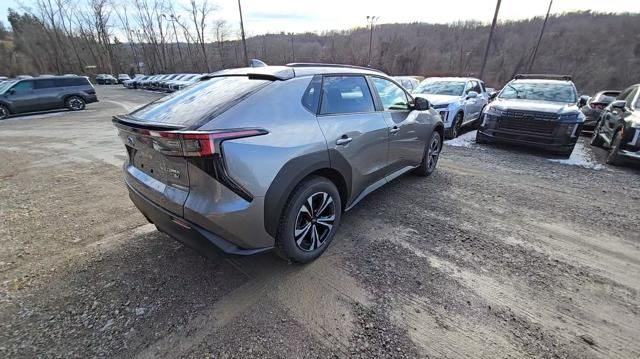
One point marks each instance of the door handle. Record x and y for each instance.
(344, 140)
(394, 129)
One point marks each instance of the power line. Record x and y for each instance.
(486, 51)
(535, 51)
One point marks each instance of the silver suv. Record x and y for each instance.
(459, 100)
(270, 157)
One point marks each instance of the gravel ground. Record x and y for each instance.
(501, 253)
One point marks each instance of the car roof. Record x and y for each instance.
(297, 70)
(452, 78)
(545, 81)
(52, 77)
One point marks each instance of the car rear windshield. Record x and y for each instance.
(539, 91)
(605, 97)
(452, 88)
(200, 102)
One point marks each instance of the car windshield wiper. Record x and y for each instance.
(516, 90)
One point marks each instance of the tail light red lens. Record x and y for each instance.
(197, 144)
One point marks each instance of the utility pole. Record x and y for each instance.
(371, 20)
(486, 51)
(293, 51)
(535, 50)
(244, 41)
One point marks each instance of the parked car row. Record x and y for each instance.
(618, 126)
(165, 82)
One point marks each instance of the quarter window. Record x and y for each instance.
(392, 96)
(44, 84)
(345, 94)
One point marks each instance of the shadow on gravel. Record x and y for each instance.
(117, 300)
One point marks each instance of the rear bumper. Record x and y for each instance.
(90, 98)
(185, 231)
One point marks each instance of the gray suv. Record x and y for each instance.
(42, 94)
(270, 157)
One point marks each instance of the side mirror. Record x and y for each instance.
(421, 104)
(583, 100)
(472, 94)
(493, 95)
(11, 91)
(619, 104)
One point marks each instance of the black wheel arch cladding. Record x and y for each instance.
(291, 174)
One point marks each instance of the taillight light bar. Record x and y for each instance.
(197, 143)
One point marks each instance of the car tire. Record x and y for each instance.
(614, 157)
(315, 205)
(481, 138)
(75, 103)
(431, 156)
(596, 140)
(454, 131)
(4, 112)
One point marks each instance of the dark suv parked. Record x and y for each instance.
(619, 127)
(534, 110)
(257, 158)
(41, 94)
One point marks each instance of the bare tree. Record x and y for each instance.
(200, 11)
(221, 32)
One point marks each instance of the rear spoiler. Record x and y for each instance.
(272, 73)
(121, 121)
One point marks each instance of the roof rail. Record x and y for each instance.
(543, 77)
(312, 64)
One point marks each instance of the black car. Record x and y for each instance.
(594, 107)
(618, 128)
(42, 94)
(534, 110)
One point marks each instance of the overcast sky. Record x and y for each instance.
(263, 16)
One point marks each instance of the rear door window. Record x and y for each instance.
(199, 103)
(345, 94)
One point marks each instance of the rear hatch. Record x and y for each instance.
(162, 138)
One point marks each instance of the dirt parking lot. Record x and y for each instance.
(500, 253)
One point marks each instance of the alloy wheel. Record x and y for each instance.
(433, 153)
(314, 221)
(75, 103)
(3, 113)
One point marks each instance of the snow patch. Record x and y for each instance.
(579, 157)
(464, 140)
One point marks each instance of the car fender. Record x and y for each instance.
(291, 174)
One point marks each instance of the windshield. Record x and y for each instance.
(539, 91)
(199, 102)
(452, 88)
(5, 85)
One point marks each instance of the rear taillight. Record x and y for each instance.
(197, 143)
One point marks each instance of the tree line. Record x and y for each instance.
(600, 51)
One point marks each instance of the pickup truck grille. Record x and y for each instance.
(529, 121)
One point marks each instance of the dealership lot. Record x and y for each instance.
(501, 253)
